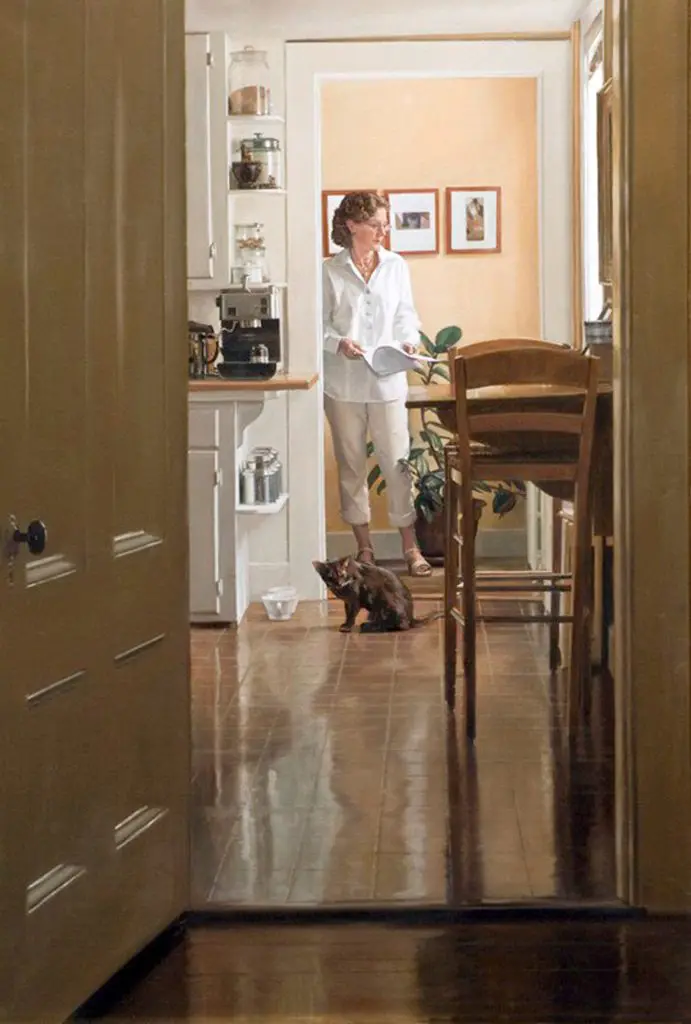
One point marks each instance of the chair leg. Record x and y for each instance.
(579, 670)
(469, 610)
(555, 596)
(450, 586)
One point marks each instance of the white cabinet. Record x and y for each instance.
(219, 526)
(208, 260)
(206, 585)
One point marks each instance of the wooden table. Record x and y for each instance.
(531, 398)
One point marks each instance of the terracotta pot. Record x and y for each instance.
(430, 535)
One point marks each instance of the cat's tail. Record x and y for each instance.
(432, 617)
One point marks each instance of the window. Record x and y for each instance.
(594, 80)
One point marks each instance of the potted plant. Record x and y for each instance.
(425, 462)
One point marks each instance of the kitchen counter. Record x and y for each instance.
(279, 382)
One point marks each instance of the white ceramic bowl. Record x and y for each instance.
(280, 603)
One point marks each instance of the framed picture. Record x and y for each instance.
(473, 220)
(414, 218)
(330, 203)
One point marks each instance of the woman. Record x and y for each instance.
(368, 302)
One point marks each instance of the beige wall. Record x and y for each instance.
(419, 133)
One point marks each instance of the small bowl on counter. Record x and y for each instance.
(280, 603)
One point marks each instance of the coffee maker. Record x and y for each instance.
(250, 331)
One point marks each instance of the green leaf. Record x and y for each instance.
(381, 486)
(373, 476)
(445, 338)
(370, 449)
(427, 343)
(503, 503)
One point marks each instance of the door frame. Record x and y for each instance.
(652, 267)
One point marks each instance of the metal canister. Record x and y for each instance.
(263, 482)
(248, 483)
(276, 481)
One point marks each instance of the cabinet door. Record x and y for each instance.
(206, 587)
(200, 251)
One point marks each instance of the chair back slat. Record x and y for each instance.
(502, 344)
(555, 368)
(526, 422)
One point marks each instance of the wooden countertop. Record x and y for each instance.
(279, 382)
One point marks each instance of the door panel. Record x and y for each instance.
(94, 699)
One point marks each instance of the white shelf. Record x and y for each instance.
(258, 192)
(268, 509)
(241, 119)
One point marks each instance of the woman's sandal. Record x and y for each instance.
(367, 560)
(418, 566)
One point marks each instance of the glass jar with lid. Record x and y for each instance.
(266, 153)
(249, 87)
(250, 249)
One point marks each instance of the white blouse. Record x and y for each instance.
(373, 313)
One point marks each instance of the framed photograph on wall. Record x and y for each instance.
(330, 203)
(414, 217)
(473, 220)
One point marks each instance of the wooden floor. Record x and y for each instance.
(376, 974)
(325, 772)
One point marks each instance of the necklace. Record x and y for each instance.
(366, 264)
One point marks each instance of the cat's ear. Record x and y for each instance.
(320, 567)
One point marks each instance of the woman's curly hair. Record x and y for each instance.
(357, 206)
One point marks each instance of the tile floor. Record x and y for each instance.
(477, 972)
(321, 772)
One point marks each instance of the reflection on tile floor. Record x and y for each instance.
(320, 771)
(478, 973)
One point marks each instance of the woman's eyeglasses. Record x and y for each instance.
(377, 225)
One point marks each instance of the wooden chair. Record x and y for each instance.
(548, 440)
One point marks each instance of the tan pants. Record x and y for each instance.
(387, 423)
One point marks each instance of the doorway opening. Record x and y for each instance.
(357, 810)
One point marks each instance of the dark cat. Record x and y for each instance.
(381, 592)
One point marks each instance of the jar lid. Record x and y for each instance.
(249, 54)
(260, 142)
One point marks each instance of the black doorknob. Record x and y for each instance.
(34, 538)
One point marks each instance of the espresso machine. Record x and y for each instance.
(250, 331)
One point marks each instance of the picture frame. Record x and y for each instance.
(414, 221)
(473, 220)
(330, 201)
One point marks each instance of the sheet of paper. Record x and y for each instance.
(387, 359)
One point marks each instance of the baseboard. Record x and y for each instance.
(502, 543)
(490, 544)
